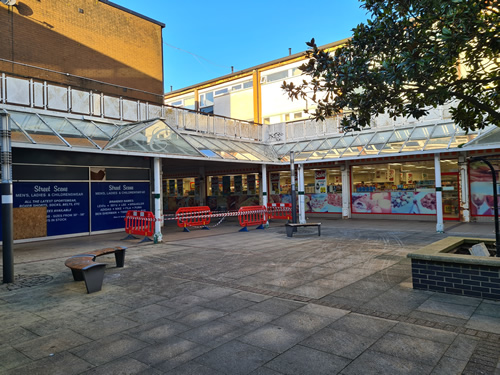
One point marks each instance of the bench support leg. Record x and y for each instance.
(93, 278)
(120, 257)
(77, 275)
(319, 230)
(289, 231)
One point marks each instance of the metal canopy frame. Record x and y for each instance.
(156, 136)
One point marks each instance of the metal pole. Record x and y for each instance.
(495, 202)
(439, 194)
(7, 202)
(294, 197)
(158, 237)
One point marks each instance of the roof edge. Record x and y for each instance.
(237, 74)
(133, 13)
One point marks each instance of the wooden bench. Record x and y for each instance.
(85, 268)
(292, 227)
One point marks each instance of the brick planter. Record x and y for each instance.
(435, 269)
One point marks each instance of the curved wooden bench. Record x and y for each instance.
(84, 267)
(118, 251)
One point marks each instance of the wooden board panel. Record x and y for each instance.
(30, 222)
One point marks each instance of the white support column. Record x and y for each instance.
(158, 237)
(439, 194)
(464, 189)
(346, 191)
(302, 204)
(263, 184)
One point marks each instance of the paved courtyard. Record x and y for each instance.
(225, 302)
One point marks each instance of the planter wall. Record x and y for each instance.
(435, 269)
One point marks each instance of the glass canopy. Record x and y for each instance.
(400, 140)
(158, 137)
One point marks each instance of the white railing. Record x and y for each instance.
(28, 92)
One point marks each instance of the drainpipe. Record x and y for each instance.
(7, 201)
(158, 237)
(439, 194)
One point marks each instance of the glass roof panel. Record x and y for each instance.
(377, 142)
(299, 146)
(421, 133)
(238, 152)
(68, 131)
(35, 128)
(362, 139)
(204, 149)
(220, 148)
(487, 136)
(444, 130)
(310, 150)
(261, 151)
(284, 151)
(100, 133)
(396, 141)
(156, 137)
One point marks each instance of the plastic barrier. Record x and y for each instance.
(193, 217)
(279, 211)
(141, 223)
(252, 215)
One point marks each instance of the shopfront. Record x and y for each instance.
(322, 189)
(405, 188)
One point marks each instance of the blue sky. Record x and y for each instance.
(242, 34)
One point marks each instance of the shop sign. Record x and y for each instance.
(320, 181)
(238, 184)
(111, 201)
(67, 204)
(251, 184)
(275, 183)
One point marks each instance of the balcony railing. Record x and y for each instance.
(26, 92)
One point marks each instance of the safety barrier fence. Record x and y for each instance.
(193, 217)
(252, 215)
(141, 223)
(279, 211)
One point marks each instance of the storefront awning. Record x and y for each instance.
(157, 137)
(400, 140)
(153, 136)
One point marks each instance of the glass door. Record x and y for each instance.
(451, 201)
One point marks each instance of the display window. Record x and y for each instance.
(230, 192)
(180, 192)
(404, 188)
(322, 188)
(481, 188)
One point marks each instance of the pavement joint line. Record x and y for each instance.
(492, 338)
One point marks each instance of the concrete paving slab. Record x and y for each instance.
(235, 358)
(317, 363)
(198, 303)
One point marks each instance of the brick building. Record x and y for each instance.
(93, 45)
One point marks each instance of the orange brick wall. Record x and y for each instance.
(85, 38)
